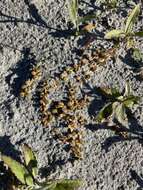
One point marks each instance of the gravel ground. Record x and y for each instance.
(35, 32)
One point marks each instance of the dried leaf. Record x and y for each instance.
(89, 27)
(132, 19)
(30, 159)
(18, 170)
(114, 34)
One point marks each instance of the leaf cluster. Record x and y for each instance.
(27, 172)
(127, 32)
(118, 104)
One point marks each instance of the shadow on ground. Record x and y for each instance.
(131, 61)
(36, 19)
(21, 72)
(136, 64)
(7, 148)
(53, 165)
(134, 131)
(138, 179)
(121, 134)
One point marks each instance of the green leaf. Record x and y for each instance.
(114, 34)
(104, 91)
(47, 186)
(115, 92)
(132, 19)
(127, 89)
(63, 184)
(108, 92)
(30, 160)
(120, 114)
(52, 186)
(120, 98)
(105, 112)
(73, 11)
(140, 34)
(18, 170)
(67, 184)
(20, 187)
(131, 100)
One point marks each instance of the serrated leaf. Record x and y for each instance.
(18, 170)
(114, 34)
(140, 34)
(73, 11)
(105, 112)
(127, 89)
(132, 19)
(120, 114)
(30, 160)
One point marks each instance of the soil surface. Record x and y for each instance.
(38, 33)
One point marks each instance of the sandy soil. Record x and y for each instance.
(37, 32)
